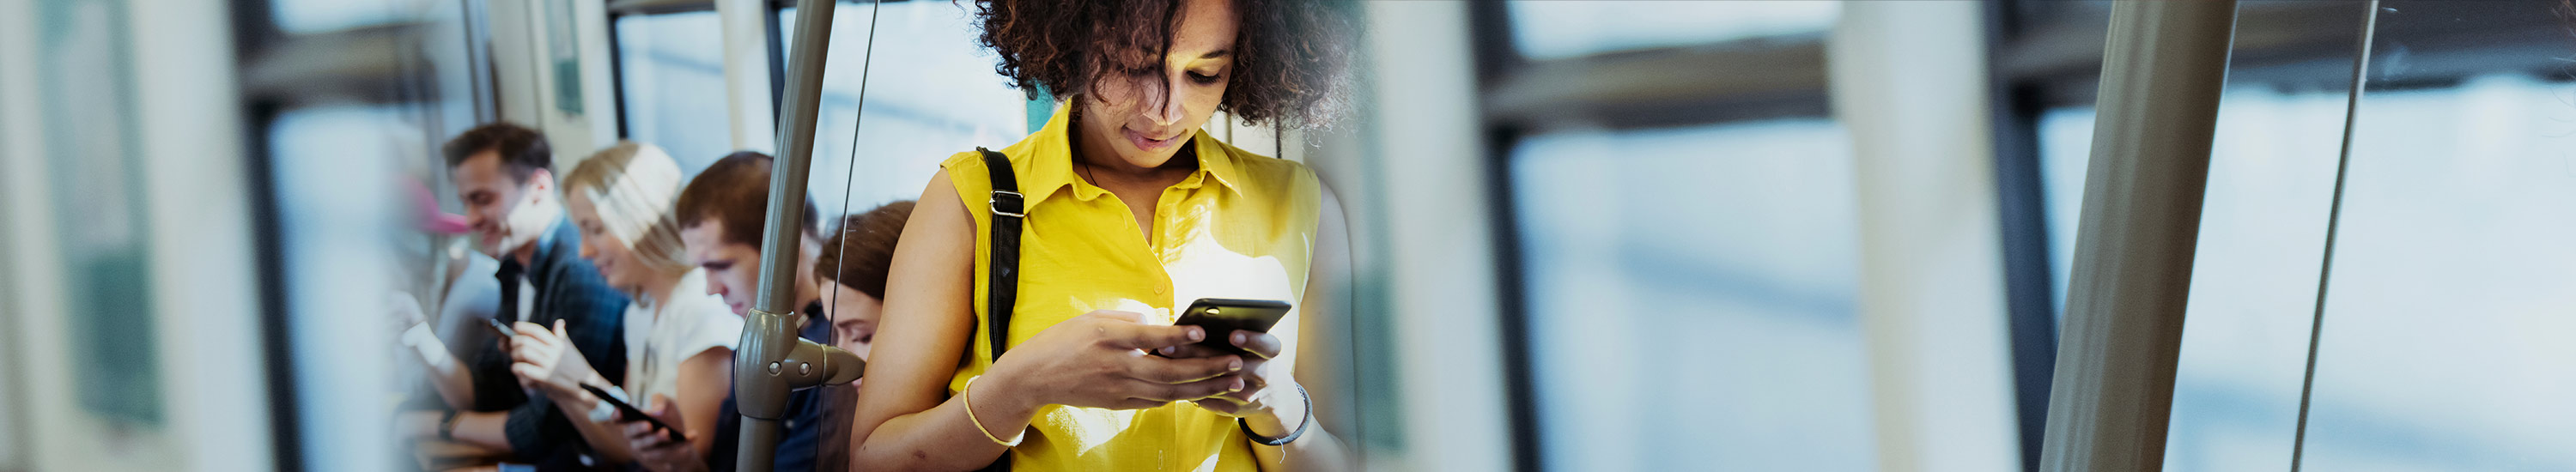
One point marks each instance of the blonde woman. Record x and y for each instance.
(679, 340)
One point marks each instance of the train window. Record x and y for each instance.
(2446, 325)
(671, 72)
(1730, 249)
(2445, 337)
(1689, 284)
(340, 245)
(930, 92)
(1564, 28)
(2442, 342)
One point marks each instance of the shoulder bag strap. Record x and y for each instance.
(1003, 286)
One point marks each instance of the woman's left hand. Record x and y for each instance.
(546, 359)
(1262, 388)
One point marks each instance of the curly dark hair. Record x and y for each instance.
(1290, 56)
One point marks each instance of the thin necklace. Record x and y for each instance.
(1075, 138)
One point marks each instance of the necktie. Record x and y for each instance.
(509, 274)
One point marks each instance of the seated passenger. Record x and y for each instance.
(502, 173)
(720, 215)
(1131, 213)
(679, 339)
(854, 262)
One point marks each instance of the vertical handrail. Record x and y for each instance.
(765, 368)
(2163, 67)
(2334, 219)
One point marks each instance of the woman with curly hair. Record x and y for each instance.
(1126, 212)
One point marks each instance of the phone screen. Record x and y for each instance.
(500, 328)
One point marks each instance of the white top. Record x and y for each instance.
(659, 336)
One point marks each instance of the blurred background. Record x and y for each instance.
(1589, 235)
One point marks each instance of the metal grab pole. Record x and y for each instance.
(772, 361)
(2162, 71)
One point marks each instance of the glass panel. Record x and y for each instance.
(1719, 334)
(1564, 28)
(932, 94)
(2445, 344)
(1691, 292)
(672, 69)
(2254, 277)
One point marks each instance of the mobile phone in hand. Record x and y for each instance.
(500, 328)
(1220, 316)
(629, 410)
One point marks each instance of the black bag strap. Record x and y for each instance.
(1003, 284)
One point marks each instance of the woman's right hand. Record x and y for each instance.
(1099, 360)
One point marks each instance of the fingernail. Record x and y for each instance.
(1239, 337)
(1197, 334)
(1234, 364)
(1235, 386)
(1170, 350)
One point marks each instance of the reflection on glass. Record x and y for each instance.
(932, 93)
(1691, 298)
(1567, 28)
(672, 69)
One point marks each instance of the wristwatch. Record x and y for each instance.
(447, 426)
(1302, 423)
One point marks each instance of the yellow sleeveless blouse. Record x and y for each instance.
(1242, 226)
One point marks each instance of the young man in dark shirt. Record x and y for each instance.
(721, 214)
(502, 173)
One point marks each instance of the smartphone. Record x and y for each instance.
(629, 410)
(500, 328)
(1221, 316)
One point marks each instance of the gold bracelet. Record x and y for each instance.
(979, 424)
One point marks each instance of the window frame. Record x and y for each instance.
(772, 31)
(1520, 93)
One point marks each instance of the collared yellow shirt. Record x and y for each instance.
(1242, 226)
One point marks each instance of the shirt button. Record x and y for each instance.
(1158, 290)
